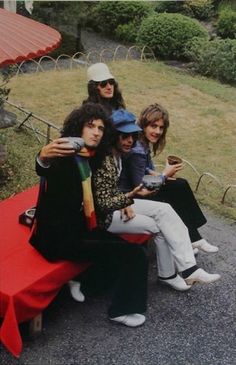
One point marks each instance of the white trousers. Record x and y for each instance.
(173, 245)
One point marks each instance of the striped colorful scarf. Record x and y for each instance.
(82, 161)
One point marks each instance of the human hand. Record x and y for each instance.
(134, 192)
(170, 170)
(127, 213)
(152, 172)
(145, 192)
(57, 148)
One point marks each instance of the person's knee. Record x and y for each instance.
(167, 208)
(181, 183)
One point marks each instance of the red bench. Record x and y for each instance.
(28, 283)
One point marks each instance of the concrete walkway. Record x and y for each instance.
(192, 328)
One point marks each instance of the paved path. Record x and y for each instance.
(193, 328)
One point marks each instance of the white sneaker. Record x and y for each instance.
(201, 276)
(130, 320)
(177, 283)
(195, 251)
(205, 246)
(75, 291)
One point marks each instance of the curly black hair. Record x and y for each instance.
(75, 121)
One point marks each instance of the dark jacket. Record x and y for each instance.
(135, 165)
(59, 215)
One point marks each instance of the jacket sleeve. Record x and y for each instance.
(54, 167)
(136, 165)
(107, 195)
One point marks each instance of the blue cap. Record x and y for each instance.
(124, 121)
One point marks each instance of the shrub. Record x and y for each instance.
(194, 48)
(111, 14)
(226, 25)
(216, 58)
(67, 46)
(167, 34)
(127, 32)
(200, 9)
(5, 74)
(4, 91)
(169, 6)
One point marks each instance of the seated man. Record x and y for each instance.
(65, 225)
(119, 212)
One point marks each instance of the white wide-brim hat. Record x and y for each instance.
(99, 72)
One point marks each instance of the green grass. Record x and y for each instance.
(202, 116)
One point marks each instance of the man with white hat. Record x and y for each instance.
(103, 88)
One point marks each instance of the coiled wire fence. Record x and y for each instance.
(80, 59)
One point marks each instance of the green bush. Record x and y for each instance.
(200, 9)
(194, 48)
(5, 75)
(111, 14)
(167, 34)
(169, 6)
(127, 32)
(216, 58)
(226, 25)
(222, 4)
(67, 46)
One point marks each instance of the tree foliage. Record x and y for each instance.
(68, 17)
(111, 14)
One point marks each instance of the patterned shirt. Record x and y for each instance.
(107, 196)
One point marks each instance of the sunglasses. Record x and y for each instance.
(104, 83)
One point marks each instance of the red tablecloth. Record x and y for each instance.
(28, 283)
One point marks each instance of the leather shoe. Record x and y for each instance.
(75, 291)
(205, 246)
(130, 320)
(177, 283)
(201, 276)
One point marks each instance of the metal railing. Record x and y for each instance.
(28, 122)
(224, 189)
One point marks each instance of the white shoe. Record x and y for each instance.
(205, 246)
(201, 276)
(195, 251)
(130, 320)
(75, 291)
(177, 283)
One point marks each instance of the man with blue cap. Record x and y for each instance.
(120, 213)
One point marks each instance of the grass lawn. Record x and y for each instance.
(202, 116)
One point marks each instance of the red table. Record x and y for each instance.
(28, 283)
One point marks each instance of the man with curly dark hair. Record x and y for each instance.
(66, 226)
